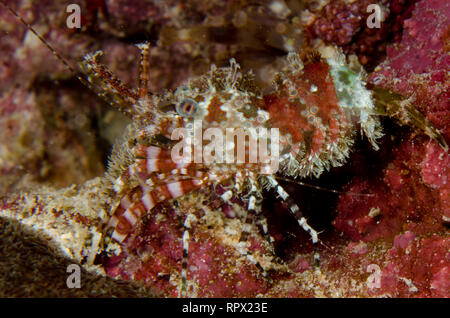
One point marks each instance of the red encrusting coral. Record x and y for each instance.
(154, 253)
(401, 228)
(403, 275)
(402, 222)
(412, 192)
(400, 200)
(345, 25)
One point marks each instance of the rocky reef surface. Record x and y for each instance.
(55, 138)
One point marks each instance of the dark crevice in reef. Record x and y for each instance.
(319, 206)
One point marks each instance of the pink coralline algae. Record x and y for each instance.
(412, 191)
(47, 120)
(344, 24)
(400, 200)
(153, 253)
(404, 276)
(389, 233)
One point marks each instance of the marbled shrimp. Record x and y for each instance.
(317, 104)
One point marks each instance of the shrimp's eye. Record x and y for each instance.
(187, 108)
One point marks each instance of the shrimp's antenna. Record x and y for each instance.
(323, 189)
(55, 53)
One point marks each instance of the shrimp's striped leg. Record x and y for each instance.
(260, 217)
(243, 240)
(153, 166)
(295, 211)
(262, 222)
(186, 238)
(151, 160)
(184, 267)
(251, 212)
(142, 200)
